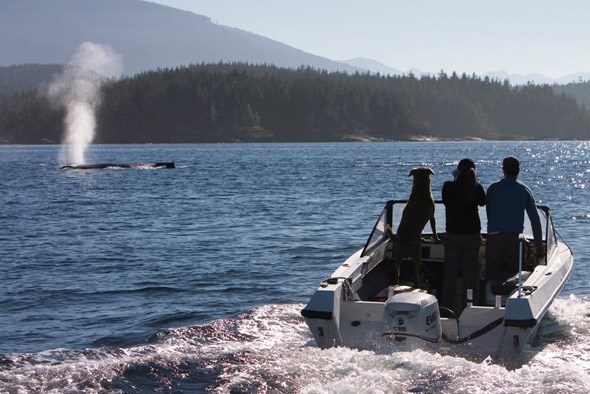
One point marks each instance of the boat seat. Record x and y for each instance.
(503, 287)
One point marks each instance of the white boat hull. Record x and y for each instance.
(342, 311)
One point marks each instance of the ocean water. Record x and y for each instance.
(192, 279)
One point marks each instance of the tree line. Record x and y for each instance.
(580, 90)
(240, 102)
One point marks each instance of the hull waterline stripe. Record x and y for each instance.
(521, 323)
(474, 334)
(316, 314)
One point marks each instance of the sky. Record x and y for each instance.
(549, 37)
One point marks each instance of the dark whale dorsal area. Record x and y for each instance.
(101, 166)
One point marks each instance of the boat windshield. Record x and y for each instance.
(378, 235)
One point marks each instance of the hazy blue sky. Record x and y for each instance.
(551, 37)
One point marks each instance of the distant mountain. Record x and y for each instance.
(375, 67)
(515, 79)
(372, 66)
(151, 36)
(539, 79)
(147, 35)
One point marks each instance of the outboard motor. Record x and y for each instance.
(412, 315)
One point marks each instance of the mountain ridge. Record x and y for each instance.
(150, 36)
(375, 66)
(147, 35)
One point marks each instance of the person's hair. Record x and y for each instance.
(511, 171)
(468, 181)
(511, 166)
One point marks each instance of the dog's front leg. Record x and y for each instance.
(435, 237)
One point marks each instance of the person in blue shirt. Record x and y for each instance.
(461, 197)
(507, 200)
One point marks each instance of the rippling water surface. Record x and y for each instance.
(192, 279)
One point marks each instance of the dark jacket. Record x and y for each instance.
(462, 217)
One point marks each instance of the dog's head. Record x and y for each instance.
(421, 178)
(421, 172)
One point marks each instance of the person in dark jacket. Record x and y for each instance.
(461, 198)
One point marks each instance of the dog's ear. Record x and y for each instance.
(412, 171)
(431, 171)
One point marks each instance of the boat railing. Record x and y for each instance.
(521, 243)
(393, 209)
(550, 238)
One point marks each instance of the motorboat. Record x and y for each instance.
(358, 306)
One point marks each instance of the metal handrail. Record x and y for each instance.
(520, 244)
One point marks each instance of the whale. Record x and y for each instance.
(101, 166)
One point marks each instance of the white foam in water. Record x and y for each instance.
(271, 349)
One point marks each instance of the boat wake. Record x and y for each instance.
(271, 349)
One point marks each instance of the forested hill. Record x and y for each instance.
(17, 78)
(580, 90)
(238, 102)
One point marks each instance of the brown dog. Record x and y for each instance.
(418, 211)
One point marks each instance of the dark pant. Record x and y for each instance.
(501, 255)
(461, 255)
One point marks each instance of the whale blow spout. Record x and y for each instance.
(101, 166)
